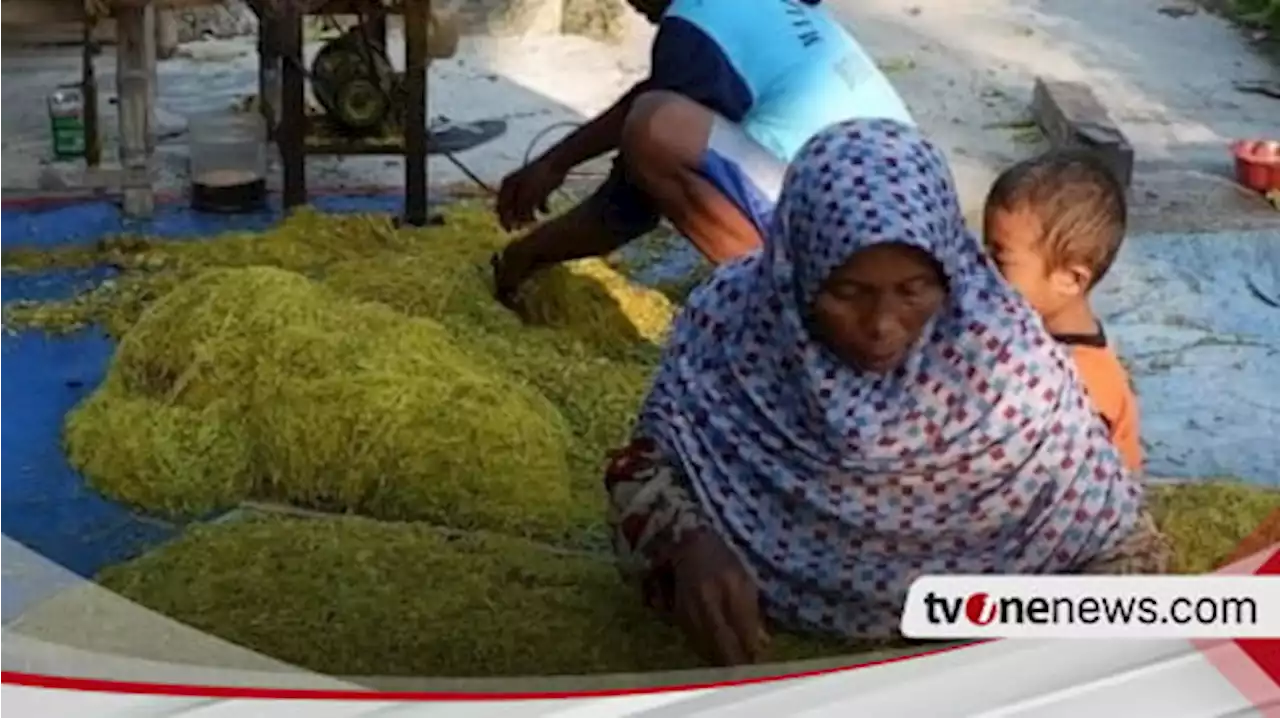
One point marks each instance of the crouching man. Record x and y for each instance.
(736, 87)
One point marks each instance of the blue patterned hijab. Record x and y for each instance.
(837, 487)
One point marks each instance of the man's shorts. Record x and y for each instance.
(742, 169)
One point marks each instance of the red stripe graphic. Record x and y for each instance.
(1252, 665)
(1266, 651)
(196, 691)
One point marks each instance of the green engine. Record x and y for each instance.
(355, 83)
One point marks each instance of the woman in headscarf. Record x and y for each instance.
(862, 402)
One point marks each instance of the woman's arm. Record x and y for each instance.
(652, 514)
(684, 568)
(595, 138)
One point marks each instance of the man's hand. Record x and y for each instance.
(526, 191)
(511, 268)
(716, 601)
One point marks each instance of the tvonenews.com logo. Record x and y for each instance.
(983, 609)
(979, 608)
(1061, 606)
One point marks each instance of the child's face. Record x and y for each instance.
(1012, 237)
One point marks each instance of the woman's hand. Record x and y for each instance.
(716, 601)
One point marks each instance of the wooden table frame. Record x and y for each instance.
(136, 97)
(280, 66)
(136, 50)
(280, 43)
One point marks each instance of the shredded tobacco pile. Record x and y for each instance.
(440, 272)
(351, 596)
(260, 383)
(339, 363)
(1208, 522)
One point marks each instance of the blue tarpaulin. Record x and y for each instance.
(46, 505)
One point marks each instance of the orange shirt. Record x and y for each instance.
(1108, 385)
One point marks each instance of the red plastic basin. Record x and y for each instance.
(1258, 164)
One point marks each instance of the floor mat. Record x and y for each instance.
(46, 505)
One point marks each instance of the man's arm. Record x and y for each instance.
(677, 133)
(598, 136)
(684, 60)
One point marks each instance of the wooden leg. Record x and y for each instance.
(378, 28)
(89, 90)
(416, 13)
(293, 109)
(269, 74)
(153, 89)
(166, 34)
(133, 90)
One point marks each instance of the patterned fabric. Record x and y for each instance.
(1145, 550)
(837, 487)
(652, 510)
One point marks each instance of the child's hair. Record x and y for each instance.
(1078, 200)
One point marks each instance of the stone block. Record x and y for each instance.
(1072, 116)
(597, 19)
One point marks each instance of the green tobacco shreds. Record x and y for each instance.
(350, 596)
(336, 404)
(357, 367)
(359, 597)
(1206, 522)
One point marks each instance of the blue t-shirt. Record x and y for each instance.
(782, 69)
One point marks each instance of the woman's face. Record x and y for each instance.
(873, 308)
